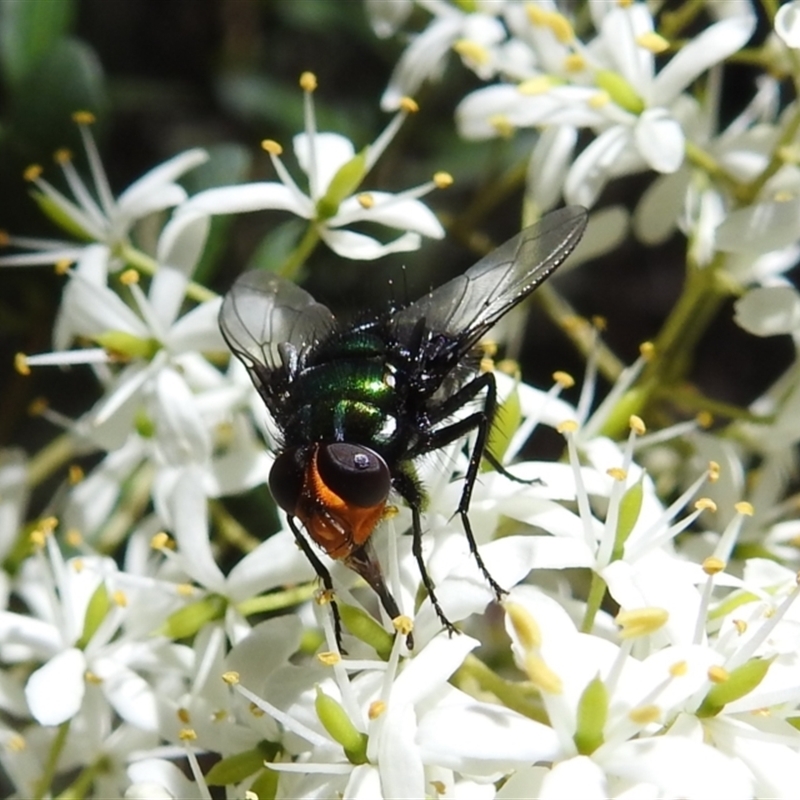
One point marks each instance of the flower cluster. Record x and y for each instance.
(152, 646)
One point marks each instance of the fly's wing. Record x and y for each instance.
(468, 306)
(266, 321)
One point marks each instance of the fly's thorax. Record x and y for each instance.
(336, 489)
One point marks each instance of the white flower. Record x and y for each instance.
(93, 213)
(335, 172)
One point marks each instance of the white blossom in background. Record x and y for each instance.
(93, 213)
(334, 199)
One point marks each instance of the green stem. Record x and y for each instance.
(43, 785)
(135, 497)
(149, 266)
(231, 530)
(80, 787)
(300, 254)
(50, 458)
(597, 591)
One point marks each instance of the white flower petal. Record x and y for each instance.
(359, 247)
(198, 330)
(140, 197)
(548, 165)
(659, 207)
(55, 691)
(129, 694)
(620, 29)
(713, 45)
(332, 151)
(248, 197)
(388, 209)
(402, 770)
(769, 311)
(760, 228)
(179, 248)
(659, 138)
(787, 24)
(575, 777)
(592, 168)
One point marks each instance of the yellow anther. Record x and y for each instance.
(187, 735)
(403, 624)
(472, 50)
(160, 541)
(38, 406)
(599, 99)
(705, 504)
(574, 62)
(365, 200)
(32, 173)
(641, 621)
(308, 81)
(376, 708)
(744, 508)
(92, 677)
(61, 267)
(63, 155)
(271, 147)
(183, 715)
(653, 42)
(409, 105)
(77, 565)
(636, 424)
(502, 125)
(644, 715)
(231, 677)
(75, 474)
(617, 473)
(563, 379)
(705, 419)
(329, 658)
(713, 565)
(740, 625)
(678, 669)
(713, 471)
(129, 277)
(442, 180)
(541, 84)
(15, 743)
(647, 350)
(73, 537)
(21, 364)
(184, 589)
(567, 426)
(120, 598)
(718, 674)
(84, 118)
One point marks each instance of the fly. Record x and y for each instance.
(357, 404)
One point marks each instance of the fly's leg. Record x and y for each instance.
(410, 492)
(480, 422)
(324, 576)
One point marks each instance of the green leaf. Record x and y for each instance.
(67, 79)
(591, 717)
(346, 180)
(741, 681)
(29, 29)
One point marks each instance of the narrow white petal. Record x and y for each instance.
(179, 248)
(713, 45)
(787, 23)
(182, 436)
(402, 770)
(576, 777)
(592, 168)
(55, 691)
(129, 694)
(139, 194)
(359, 247)
(198, 330)
(659, 138)
(248, 197)
(621, 27)
(396, 212)
(551, 158)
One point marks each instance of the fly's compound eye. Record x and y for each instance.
(357, 474)
(286, 477)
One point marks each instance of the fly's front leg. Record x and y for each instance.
(323, 575)
(410, 492)
(480, 422)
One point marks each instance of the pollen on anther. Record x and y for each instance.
(271, 147)
(653, 42)
(442, 180)
(183, 715)
(637, 425)
(502, 125)
(329, 658)
(541, 84)
(403, 624)
(713, 565)
(678, 669)
(376, 708)
(599, 100)
(365, 200)
(323, 597)
(38, 406)
(705, 419)
(184, 589)
(705, 504)
(713, 471)
(75, 474)
(308, 81)
(21, 364)
(61, 267)
(567, 426)
(160, 541)
(740, 625)
(563, 379)
(647, 350)
(574, 62)
(409, 105)
(474, 51)
(129, 277)
(120, 598)
(84, 118)
(63, 155)
(717, 674)
(600, 323)
(645, 714)
(617, 473)
(187, 735)
(744, 508)
(15, 743)
(231, 678)
(73, 537)
(32, 173)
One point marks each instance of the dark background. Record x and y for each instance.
(166, 75)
